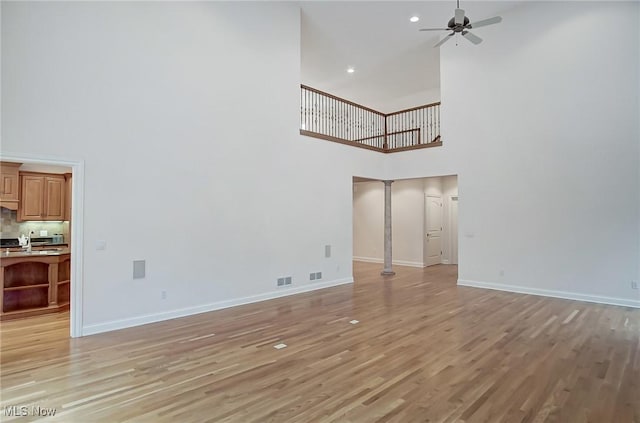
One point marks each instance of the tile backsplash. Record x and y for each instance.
(11, 228)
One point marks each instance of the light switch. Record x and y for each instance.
(101, 244)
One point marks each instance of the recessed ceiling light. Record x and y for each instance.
(414, 19)
(350, 70)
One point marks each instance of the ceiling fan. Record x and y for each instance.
(461, 24)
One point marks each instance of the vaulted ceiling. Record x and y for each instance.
(391, 58)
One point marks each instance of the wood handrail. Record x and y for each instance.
(414, 147)
(336, 119)
(340, 140)
(344, 100)
(402, 132)
(437, 103)
(368, 138)
(435, 143)
(351, 103)
(382, 135)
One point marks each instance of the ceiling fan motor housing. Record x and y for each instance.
(458, 28)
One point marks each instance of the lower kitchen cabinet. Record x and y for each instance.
(34, 284)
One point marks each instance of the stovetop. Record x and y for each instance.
(13, 242)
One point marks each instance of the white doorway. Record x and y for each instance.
(433, 230)
(453, 220)
(412, 223)
(76, 228)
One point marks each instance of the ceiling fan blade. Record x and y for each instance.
(434, 29)
(444, 40)
(471, 37)
(459, 17)
(485, 22)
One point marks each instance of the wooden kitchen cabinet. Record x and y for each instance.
(32, 198)
(9, 185)
(42, 196)
(33, 284)
(54, 197)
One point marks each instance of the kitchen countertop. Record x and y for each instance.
(36, 253)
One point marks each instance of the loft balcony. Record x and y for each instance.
(335, 119)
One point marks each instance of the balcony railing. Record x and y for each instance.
(332, 118)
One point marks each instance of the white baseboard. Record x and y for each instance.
(408, 263)
(368, 259)
(551, 293)
(188, 311)
(395, 262)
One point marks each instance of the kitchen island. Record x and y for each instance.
(36, 282)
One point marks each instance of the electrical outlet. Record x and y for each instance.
(163, 294)
(280, 281)
(287, 280)
(312, 276)
(634, 285)
(318, 275)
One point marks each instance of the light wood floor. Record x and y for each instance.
(424, 350)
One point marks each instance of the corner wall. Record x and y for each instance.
(407, 202)
(540, 122)
(186, 117)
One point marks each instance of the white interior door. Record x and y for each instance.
(454, 230)
(433, 226)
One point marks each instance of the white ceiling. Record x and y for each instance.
(392, 59)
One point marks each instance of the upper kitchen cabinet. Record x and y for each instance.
(42, 196)
(9, 185)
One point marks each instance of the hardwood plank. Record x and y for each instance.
(423, 350)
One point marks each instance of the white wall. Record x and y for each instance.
(540, 122)
(183, 113)
(406, 102)
(407, 214)
(368, 220)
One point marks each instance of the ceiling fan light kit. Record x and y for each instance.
(460, 24)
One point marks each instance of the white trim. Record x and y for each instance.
(408, 263)
(551, 293)
(77, 225)
(368, 259)
(451, 220)
(188, 311)
(77, 251)
(394, 262)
